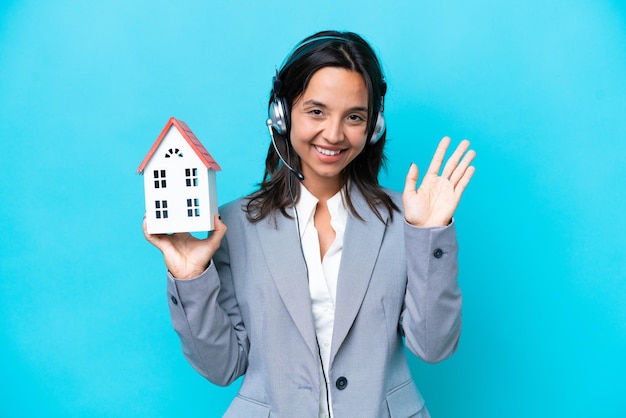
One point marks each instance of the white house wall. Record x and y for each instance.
(176, 193)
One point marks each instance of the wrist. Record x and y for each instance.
(190, 274)
(430, 223)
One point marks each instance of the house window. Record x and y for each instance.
(161, 209)
(173, 152)
(191, 175)
(159, 179)
(193, 207)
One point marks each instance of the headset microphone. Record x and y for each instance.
(297, 173)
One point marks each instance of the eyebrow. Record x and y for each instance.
(314, 102)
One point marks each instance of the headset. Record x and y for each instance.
(278, 111)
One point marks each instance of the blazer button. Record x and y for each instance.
(438, 253)
(174, 301)
(341, 383)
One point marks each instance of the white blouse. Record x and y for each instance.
(322, 275)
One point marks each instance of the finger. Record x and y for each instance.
(149, 236)
(454, 159)
(458, 172)
(411, 179)
(161, 241)
(440, 153)
(464, 181)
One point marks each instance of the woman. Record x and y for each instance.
(323, 274)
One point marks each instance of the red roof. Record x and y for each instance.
(191, 139)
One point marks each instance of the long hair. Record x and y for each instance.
(324, 49)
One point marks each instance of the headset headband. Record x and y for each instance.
(294, 56)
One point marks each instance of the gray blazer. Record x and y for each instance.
(250, 313)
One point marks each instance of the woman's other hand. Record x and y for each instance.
(436, 199)
(186, 256)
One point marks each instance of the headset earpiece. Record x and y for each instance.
(379, 129)
(279, 115)
(278, 112)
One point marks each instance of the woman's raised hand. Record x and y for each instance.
(186, 256)
(436, 199)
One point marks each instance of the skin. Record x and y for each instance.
(328, 129)
(329, 122)
(436, 199)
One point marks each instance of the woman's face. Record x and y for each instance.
(328, 126)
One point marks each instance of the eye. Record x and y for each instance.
(316, 112)
(356, 118)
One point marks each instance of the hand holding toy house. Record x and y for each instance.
(179, 182)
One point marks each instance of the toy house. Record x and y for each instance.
(179, 182)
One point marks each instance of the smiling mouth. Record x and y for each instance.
(327, 151)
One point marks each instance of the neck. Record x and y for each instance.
(323, 190)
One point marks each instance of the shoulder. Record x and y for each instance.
(394, 195)
(234, 206)
(396, 198)
(234, 212)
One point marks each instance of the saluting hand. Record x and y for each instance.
(436, 199)
(186, 256)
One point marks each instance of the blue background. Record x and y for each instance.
(539, 87)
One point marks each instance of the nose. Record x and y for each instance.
(333, 131)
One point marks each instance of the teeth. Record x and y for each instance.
(327, 151)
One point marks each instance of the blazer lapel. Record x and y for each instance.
(362, 241)
(281, 246)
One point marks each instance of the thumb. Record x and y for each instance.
(219, 231)
(411, 179)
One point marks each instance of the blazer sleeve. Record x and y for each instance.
(207, 318)
(431, 316)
